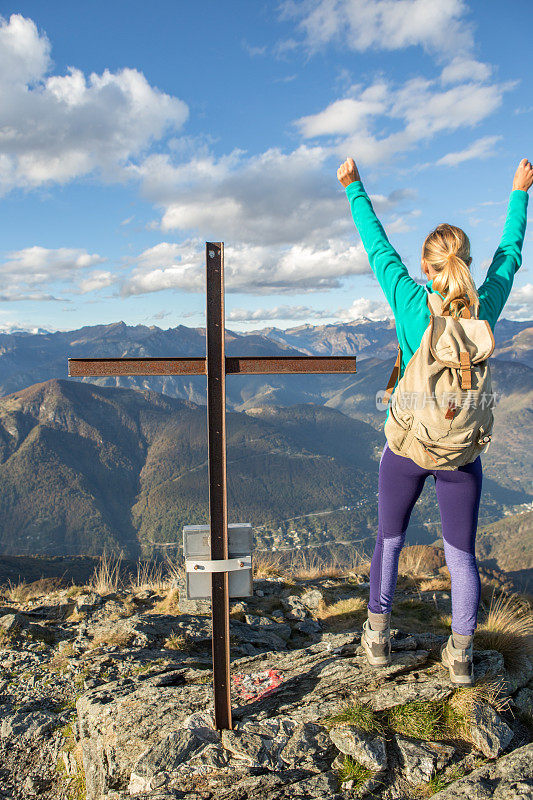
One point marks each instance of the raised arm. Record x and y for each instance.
(399, 288)
(495, 290)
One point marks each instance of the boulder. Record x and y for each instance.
(294, 608)
(421, 759)
(88, 602)
(366, 748)
(488, 732)
(508, 778)
(312, 599)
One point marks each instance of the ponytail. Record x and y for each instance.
(447, 249)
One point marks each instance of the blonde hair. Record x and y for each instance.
(447, 250)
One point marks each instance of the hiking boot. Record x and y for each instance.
(459, 661)
(376, 645)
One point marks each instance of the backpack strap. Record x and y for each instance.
(393, 377)
(466, 370)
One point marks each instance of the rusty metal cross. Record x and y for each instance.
(216, 365)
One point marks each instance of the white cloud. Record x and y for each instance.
(481, 148)
(348, 114)
(270, 199)
(32, 268)
(98, 279)
(402, 222)
(424, 111)
(438, 26)
(520, 304)
(248, 269)
(465, 69)
(363, 307)
(283, 312)
(59, 127)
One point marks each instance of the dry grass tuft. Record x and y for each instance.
(420, 560)
(169, 604)
(22, 592)
(507, 628)
(74, 591)
(418, 718)
(440, 583)
(450, 718)
(111, 637)
(491, 692)
(60, 659)
(149, 576)
(343, 614)
(305, 564)
(106, 576)
(267, 565)
(177, 641)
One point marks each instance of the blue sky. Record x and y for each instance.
(131, 133)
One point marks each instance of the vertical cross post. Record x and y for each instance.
(216, 427)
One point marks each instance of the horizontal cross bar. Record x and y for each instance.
(258, 365)
(235, 365)
(136, 366)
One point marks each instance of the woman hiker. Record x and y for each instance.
(446, 263)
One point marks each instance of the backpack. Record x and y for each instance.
(440, 414)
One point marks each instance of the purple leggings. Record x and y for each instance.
(458, 493)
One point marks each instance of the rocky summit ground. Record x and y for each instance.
(108, 695)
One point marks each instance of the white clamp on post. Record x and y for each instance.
(220, 565)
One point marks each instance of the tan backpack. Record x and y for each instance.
(441, 410)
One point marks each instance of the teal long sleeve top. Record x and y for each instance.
(406, 297)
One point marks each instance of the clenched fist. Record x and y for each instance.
(523, 177)
(348, 172)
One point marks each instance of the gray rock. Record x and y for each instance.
(294, 607)
(308, 747)
(433, 684)
(27, 725)
(420, 759)
(414, 686)
(488, 732)
(312, 599)
(251, 747)
(366, 748)
(401, 641)
(308, 626)
(167, 755)
(256, 622)
(263, 637)
(88, 602)
(520, 677)
(41, 632)
(508, 778)
(12, 622)
(523, 700)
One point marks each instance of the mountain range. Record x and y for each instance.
(121, 463)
